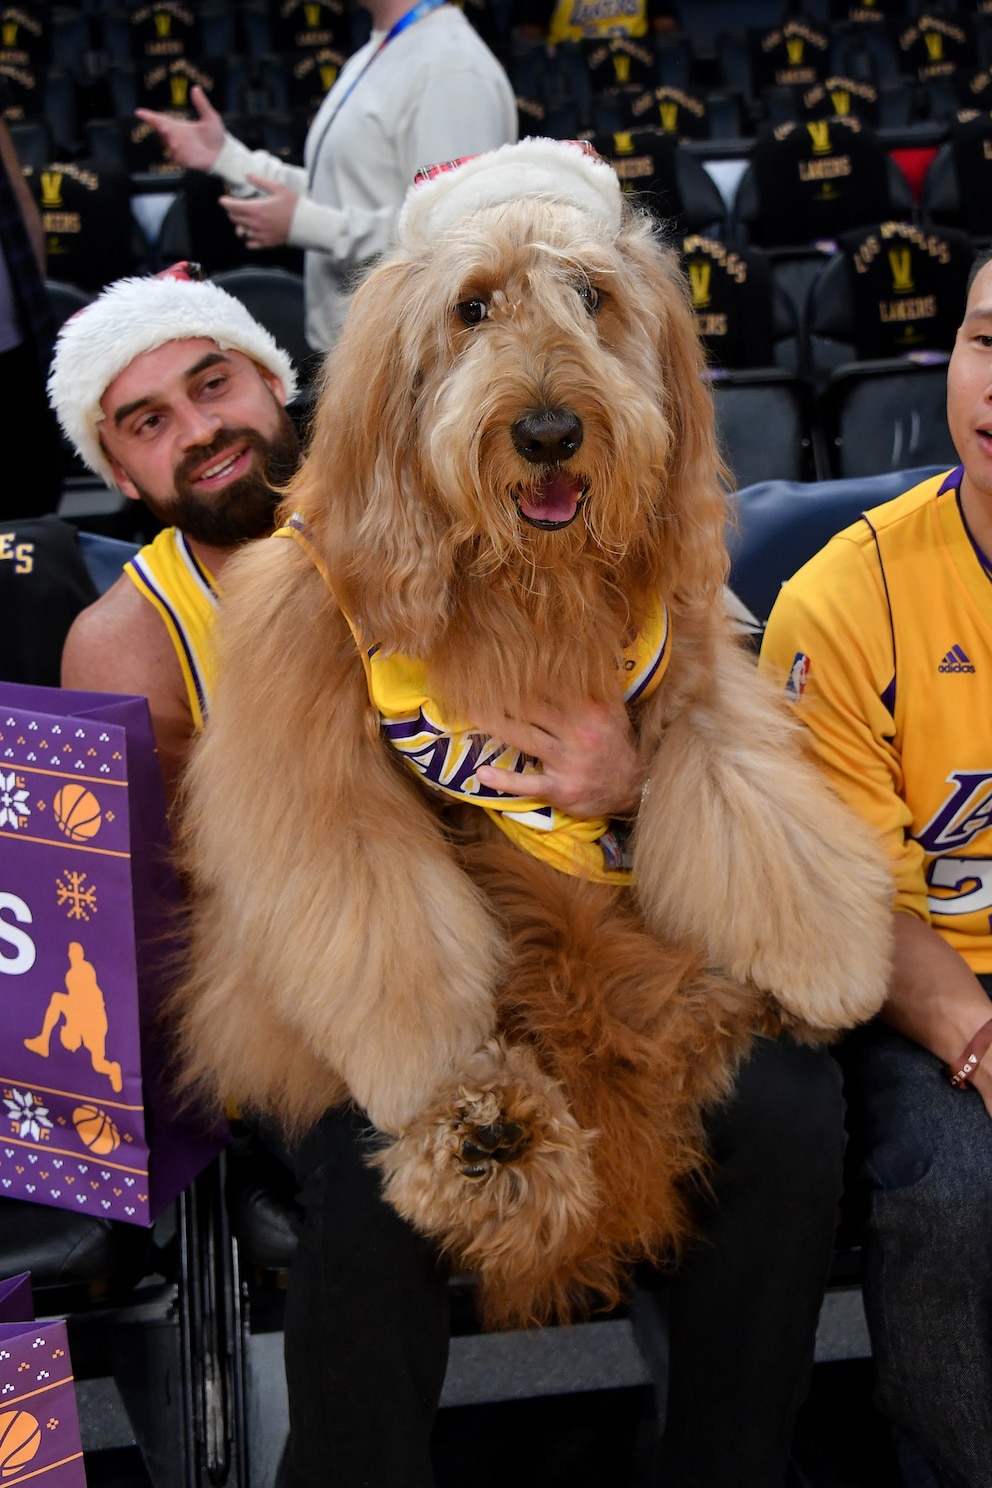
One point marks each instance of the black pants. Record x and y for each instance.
(367, 1323)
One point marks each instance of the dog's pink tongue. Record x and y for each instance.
(553, 500)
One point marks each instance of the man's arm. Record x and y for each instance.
(119, 644)
(935, 997)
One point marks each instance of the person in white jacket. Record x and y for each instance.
(425, 88)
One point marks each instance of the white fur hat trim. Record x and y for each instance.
(559, 169)
(133, 316)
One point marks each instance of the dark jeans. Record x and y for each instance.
(367, 1325)
(922, 1158)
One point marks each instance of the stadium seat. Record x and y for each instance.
(685, 114)
(46, 95)
(810, 182)
(884, 106)
(863, 48)
(957, 188)
(275, 298)
(90, 234)
(933, 44)
(32, 141)
(884, 415)
(551, 88)
(619, 62)
(671, 183)
(891, 290)
(779, 524)
(745, 320)
(765, 426)
(152, 34)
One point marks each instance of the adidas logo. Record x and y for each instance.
(956, 660)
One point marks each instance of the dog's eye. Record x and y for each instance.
(590, 297)
(472, 312)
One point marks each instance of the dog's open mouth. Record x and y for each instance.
(551, 502)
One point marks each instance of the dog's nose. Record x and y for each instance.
(547, 436)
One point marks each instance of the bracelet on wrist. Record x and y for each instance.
(960, 1074)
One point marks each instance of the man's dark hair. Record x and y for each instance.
(983, 258)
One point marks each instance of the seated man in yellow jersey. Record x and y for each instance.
(884, 641)
(170, 390)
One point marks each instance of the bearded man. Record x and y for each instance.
(171, 391)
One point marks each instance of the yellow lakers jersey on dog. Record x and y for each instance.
(445, 753)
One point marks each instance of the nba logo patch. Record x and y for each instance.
(798, 673)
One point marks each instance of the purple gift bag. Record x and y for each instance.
(88, 897)
(39, 1423)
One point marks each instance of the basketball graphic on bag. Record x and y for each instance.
(20, 1438)
(96, 1130)
(77, 812)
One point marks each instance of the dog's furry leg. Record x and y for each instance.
(742, 847)
(590, 1107)
(332, 916)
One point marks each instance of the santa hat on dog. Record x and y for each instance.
(133, 316)
(568, 171)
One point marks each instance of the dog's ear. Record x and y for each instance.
(694, 497)
(361, 489)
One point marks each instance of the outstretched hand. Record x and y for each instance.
(262, 221)
(589, 763)
(192, 143)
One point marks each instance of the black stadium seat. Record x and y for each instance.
(892, 290)
(957, 188)
(275, 298)
(672, 184)
(90, 234)
(813, 181)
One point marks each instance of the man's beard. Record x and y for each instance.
(243, 510)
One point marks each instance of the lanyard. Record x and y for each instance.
(408, 19)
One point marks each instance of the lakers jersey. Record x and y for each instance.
(168, 574)
(571, 20)
(884, 642)
(446, 752)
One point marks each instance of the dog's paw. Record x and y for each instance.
(497, 1142)
(497, 1171)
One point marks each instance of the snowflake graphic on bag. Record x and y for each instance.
(14, 808)
(26, 1115)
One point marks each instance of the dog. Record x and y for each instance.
(512, 498)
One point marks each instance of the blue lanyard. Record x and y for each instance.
(408, 19)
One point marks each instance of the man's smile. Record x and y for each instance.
(230, 465)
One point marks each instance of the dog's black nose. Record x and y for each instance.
(547, 436)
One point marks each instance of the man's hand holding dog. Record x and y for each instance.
(589, 763)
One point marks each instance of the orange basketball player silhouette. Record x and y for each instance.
(85, 1013)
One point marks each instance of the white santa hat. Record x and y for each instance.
(133, 316)
(567, 171)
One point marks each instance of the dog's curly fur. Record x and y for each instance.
(538, 1050)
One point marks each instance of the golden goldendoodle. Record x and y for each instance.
(512, 501)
